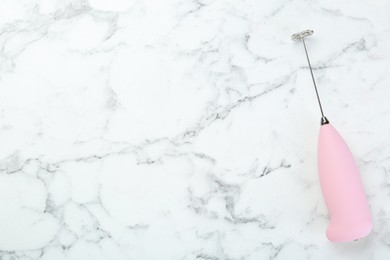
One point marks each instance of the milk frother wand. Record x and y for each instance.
(342, 188)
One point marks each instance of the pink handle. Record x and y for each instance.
(342, 188)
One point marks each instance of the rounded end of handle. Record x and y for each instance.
(345, 233)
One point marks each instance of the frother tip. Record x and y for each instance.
(299, 36)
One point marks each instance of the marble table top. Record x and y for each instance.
(186, 129)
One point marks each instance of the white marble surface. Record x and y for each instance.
(186, 129)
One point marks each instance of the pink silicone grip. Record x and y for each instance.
(342, 188)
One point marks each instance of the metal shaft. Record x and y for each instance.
(301, 37)
(312, 77)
